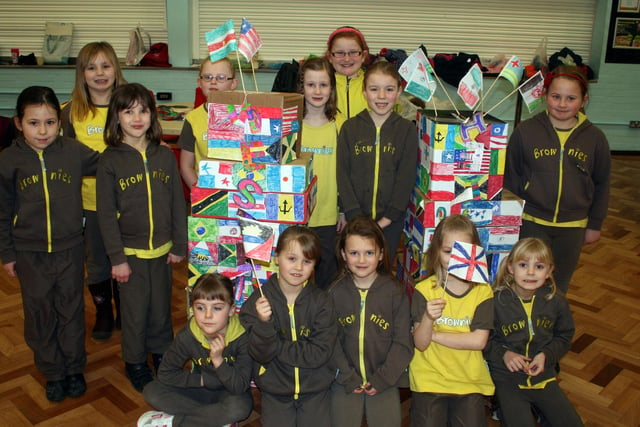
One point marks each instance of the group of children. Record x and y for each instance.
(324, 349)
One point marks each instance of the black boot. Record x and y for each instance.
(101, 293)
(116, 302)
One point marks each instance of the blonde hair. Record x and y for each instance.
(451, 224)
(525, 249)
(227, 61)
(81, 104)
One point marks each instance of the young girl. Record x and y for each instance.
(377, 155)
(98, 73)
(213, 76)
(215, 389)
(452, 319)
(320, 136)
(522, 358)
(292, 334)
(142, 218)
(559, 163)
(374, 334)
(347, 51)
(41, 237)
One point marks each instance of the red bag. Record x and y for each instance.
(158, 56)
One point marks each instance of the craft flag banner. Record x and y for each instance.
(531, 91)
(468, 262)
(416, 71)
(250, 41)
(221, 41)
(258, 239)
(470, 86)
(411, 63)
(512, 71)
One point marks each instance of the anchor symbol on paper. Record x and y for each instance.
(439, 137)
(284, 208)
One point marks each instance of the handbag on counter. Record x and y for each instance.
(137, 46)
(57, 42)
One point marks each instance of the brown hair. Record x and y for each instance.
(570, 72)
(307, 239)
(225, 60)
(525, 249)
(385, 68)
(81, 104)
(213, 286)
(367, 228)
(453, 223)
(320, 64)
(37, 95)
(125, 97)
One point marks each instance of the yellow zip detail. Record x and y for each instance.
(561, 171)
(149, 200)
(47, 202)
(528, 309)
(363, 304)
(294, 338)
(376, 170)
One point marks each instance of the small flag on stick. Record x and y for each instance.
(470, 86)
(221, 41)
(468, 262)
(250, 41)
(531, 91)
(512, 71)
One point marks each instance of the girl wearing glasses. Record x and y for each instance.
(347, 51)
(218, 75)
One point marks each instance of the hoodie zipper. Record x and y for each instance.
(47, 202)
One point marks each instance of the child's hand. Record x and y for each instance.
(263, 308)
(536, 366)
(435, 307)
(516, 362)
(591, 236)
(174, 259)
(342, 221)
(217, 347)
(384, 222)
(369, 389)
(121, 272)
(10, 268)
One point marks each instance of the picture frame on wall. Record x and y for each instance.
(623, 42)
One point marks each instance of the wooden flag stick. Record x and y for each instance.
(446, 93)
(240, 71)
(484, 96)
(255, 81)
(501, 101)
(255, 275)
(444, 288)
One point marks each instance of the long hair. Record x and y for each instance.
(320, 64)
(367, 228)
(525, 249)
(125, 97)
(81, 104)
(451, 224)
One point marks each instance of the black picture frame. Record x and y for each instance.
(623, 42)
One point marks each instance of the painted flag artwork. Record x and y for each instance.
(417, 70)
(257, 238)
(221, 41)
(531, 91)
(470, 86)
(468, 262)
(512, 71)
(411, 63)
(250, 41)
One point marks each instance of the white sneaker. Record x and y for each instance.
(155, 419)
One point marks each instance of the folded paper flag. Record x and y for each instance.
(468, 262)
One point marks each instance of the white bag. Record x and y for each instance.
(57, 42)
(137, 46)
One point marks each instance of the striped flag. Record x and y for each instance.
(250, 41)
(468, 262)
(512, 71)
(221, 41)
(531, 91)
(470, 86)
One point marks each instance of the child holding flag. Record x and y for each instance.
(452, 318)
(292, 334)
(523, 360)
(559, 163)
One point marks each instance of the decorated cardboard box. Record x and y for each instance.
(255, 127)
(506, 211)
(294, 177)
(263, 206)
(458, 157)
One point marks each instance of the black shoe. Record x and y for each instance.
(157, 359)
(56, 390)
(76, 385)
(139, 374)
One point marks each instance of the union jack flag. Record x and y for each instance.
(468, 262)
(250, 41)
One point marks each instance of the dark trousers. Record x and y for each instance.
(392, 234)
(554, 405)
(566, 244)
(98, 265)
(53, 304)
(453, 410)
(381, 410)
(327, 268)
(198, 406)
(146, 309)
(313, 409)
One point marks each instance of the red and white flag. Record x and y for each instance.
(250, 41)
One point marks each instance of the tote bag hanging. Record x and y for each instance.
(57, 42)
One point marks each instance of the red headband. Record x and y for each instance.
(550, 76)
(347, 30)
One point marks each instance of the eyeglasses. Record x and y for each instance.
(220, 78)
(351, 54)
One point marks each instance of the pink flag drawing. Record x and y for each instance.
(468, 262)
(250, 41)
(221, 41)
(531, 91)
(470, 86)
(512, 71)
(416, 71)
